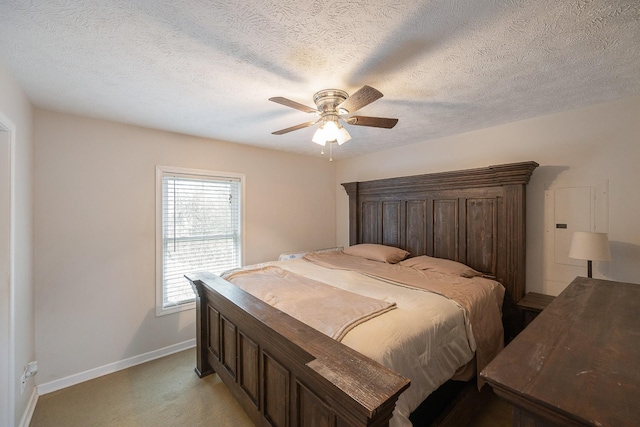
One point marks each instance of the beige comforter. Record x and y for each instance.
(480, 298)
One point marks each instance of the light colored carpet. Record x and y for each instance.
(167, 392)
(164, 392)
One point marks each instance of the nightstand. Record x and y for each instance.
(532, 304)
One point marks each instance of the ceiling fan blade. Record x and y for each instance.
(378, 122)
(364, 96)
(292, 128)
(293, 104)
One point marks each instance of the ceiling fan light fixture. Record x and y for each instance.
(330, 130)
(319, 137)
(343, 135)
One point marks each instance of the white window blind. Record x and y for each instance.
(201, 230)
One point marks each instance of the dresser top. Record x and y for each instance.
(579, 360)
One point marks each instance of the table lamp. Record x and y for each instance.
(590, 246)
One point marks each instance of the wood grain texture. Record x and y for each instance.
(378, 122)
(532, 305)
(577, 362)
(416, 220)
(362, 97)
(536, 301)
(249, 369)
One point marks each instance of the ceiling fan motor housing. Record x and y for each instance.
(328, 99)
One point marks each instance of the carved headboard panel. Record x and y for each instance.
(474, 216)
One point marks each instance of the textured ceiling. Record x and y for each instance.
(207, 68)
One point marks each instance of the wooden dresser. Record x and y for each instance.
(578, 362)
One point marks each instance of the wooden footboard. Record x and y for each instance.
(283, 372)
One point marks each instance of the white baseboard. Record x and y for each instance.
(31, 407)
(112, 367)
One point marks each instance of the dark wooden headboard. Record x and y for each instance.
(473, 216)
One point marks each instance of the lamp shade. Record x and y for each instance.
(330, 131)
(590, 246)
(343, 135)
(319, 137)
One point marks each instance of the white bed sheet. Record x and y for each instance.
(426, 338)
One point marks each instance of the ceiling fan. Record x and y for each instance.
(332, 107)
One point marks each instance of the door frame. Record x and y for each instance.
(7, 306)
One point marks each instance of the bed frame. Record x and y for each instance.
(285, 373)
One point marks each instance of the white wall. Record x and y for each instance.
(16, 107)
(95, 231)
(580, 147)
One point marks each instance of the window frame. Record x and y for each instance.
(161, 172)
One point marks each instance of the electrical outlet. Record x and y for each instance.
(23, 383)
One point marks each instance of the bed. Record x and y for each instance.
(284, 372)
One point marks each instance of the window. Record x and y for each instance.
(199, 216)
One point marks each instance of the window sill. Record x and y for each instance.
(175, 309)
